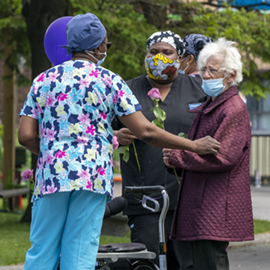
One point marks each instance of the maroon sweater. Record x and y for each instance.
(214, 199)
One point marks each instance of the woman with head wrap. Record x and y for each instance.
(193, 45)
(214, 200)
(179, 93)
(66, 120)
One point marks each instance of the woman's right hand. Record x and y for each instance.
(207, 145)
(125, 136)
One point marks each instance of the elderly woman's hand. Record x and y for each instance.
(166, 155)
(207, 145)
(125, 136)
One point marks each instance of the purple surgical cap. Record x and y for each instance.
(84, 32)
(194, 44)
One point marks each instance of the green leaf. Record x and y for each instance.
(182, 134)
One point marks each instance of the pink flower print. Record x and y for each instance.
(154, 94)
(50, 101)
(88, 65)
(103, 115)
(27, 174)
(39, 108)
(115, 143)
(41, 77)
(60, 154)
(62, 97)
(84, 119)
(82, 140)
(85, 175)
(89, 184)
(34, 112)
(42, 132)
(50, 133)
(115, 99)
(107, 80)
(35, 89)
(51, 188)
(94, 73)
(101, 171)
(49, 159)
(54, 75)
(90, 129)
(84, 83)
(121, 93)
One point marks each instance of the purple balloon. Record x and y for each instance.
(55, 38)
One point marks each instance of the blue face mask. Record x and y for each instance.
(183, 71)
(99, 62)
(214, 87)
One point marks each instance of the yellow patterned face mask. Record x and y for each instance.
(159, 67)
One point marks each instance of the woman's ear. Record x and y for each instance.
(231, 77)
(191, 59)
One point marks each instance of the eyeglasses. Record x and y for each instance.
(211, 71)
(108, 44)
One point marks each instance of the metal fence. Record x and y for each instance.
(260, 158)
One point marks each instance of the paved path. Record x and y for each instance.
(250, 255)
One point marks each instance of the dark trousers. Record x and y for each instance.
(144, 229)
(209, 255)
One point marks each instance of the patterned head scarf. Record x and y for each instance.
(84, 32)
(168, 37)
(194, 44)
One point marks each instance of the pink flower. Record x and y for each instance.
(89, 184)
(94, 73)
(60, 154)
(62, 97)
(84, 119)
(54, 75)
(50, 101)
(154, 94)
(121, 93)
(115, 143)
(84, 83)
(85, 175)
(103, 115)
(101, 171)
(27, 174)
(82, 140)
(51, 189)
(41, 77)
(107, 80)
(115, 99)
(49, 159)
(90, 130)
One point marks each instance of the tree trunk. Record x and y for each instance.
(9, 120)
(39, 14)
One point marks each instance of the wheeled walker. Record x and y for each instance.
(135, 256)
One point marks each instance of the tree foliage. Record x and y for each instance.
(129, 23)
(13, 37)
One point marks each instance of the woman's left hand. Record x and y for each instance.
(166, 155)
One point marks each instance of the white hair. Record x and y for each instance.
(229, 55)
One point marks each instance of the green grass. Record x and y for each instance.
(261, 226)
(14, 237)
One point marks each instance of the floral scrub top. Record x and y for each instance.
(74, 104)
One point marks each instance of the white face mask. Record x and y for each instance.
(99, 62)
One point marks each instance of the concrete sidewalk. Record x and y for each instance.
(243, 255)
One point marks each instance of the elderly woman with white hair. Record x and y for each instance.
(214, 199)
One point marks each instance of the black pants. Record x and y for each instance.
(144, 229)
(209, 255)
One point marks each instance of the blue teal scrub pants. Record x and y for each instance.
(66, 223)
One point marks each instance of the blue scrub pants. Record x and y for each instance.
(66, 223)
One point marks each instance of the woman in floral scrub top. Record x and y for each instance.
(66, 121)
